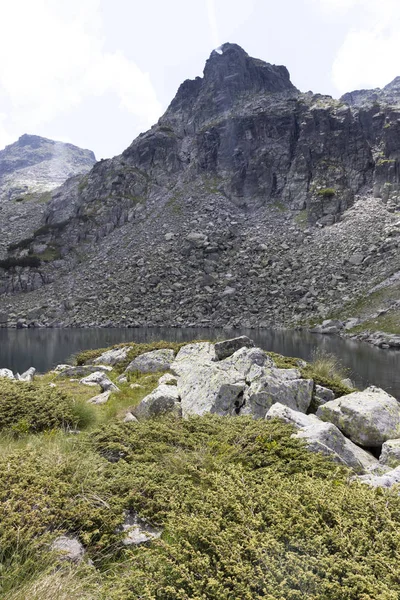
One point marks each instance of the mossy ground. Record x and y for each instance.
(246, 511)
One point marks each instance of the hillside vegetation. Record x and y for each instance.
(246, 512)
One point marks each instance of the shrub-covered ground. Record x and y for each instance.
(247, 512)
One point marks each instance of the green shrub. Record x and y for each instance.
(326, 192)
(33, 407)
(326, 370)
(23, 261)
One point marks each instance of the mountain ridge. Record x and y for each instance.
(245, 203)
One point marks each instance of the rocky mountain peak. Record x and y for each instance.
(229, 75)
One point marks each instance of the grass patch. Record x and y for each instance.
(327, 370)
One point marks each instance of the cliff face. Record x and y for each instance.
(234, 205)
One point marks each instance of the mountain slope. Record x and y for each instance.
(248, 203)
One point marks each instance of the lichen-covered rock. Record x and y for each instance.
(248, 361)
(390, 454)
(193, 354)
(112, 357)
(228, 347)
(209, 388)
(151, 362)
(277, 385)
(368, 418)
(28, 375)
(322, 395)
(168, 379)
(325, 438)
(164, 399)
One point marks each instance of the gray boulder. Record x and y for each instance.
(322, 395)
(151, 362)
(325, 438)
(277, 385)
(101, 379)
(80, 371)
(7, 373)
(209, 388)
(112, 357)
(229, 347)
(168, 379)
(28, 375)
(164, 399)
(69, 548)
(390, 455)
(368, 418)
(100, 398)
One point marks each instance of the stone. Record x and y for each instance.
(168, 379)
(112, 357)
(151, 362)
(28, 375)
(368, 418)
(68, 548)
(81, 371)
(101, 379)
(7, 373)
(138, 531)
(122, 379)
(322, 395)
(384, 481)
(228, 347)
(209, 388)
(130, 418)
(356, 259)
(164, 399)
(278, 385)
(100, 398)
(3, 316)
(390, 454)
(325, 438)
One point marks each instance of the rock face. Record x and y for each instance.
(368, 418)
(164, 399)
(151, 362)
(275, 206)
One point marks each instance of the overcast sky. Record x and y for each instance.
(98, 72)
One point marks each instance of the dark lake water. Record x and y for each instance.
(45, 348)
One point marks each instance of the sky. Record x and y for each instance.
(96, 73)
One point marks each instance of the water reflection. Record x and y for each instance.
(45, 348)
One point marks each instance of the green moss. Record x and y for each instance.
(326, 192)
(285, 362)
(302, 218)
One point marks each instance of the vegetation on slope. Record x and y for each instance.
(246, 511)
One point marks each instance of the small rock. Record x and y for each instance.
(138, 531)
(100, 398)
(69, 548)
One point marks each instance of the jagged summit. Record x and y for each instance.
(390, 94)
(229, 76)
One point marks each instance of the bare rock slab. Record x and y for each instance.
(228, 347)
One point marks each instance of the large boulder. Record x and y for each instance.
(368, 418)
(209, 388)
(112, 357)
(28, 375)
(151, 362)
(325, 438)
(269, 386)
(164, 399)
(229, 347)
(80, 371)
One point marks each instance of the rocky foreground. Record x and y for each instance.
(248, 204)
(197, 471)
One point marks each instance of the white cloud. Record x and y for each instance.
(369, 54)
(52, 58)
(212, 21)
